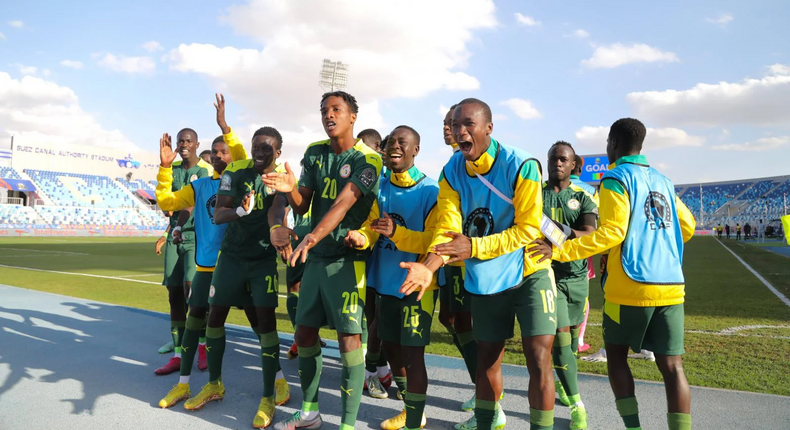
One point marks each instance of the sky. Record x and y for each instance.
(710, 80)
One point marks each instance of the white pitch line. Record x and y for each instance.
(776, 292)
(140, 276)
(90, 275)
(44, 250)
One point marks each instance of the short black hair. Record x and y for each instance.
(384, 141)
(188, 130)
(206, 152)
(369, 132)
(452, 108)
(350, 100)
(413, 131)
(563, 143)
(216, 139)
(630, 133)
(271, 132)
(579, 163)
(474, 101)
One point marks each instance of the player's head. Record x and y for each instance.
(447, 129)
(626, 136)
(472, 127)
(579, 164)
(371, 138)
(219, 155)
(206, 155)
(403, 146)
(187, 141)
(267, 144)
(338, 113)
(562, 161)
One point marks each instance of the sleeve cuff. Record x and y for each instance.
(229, 135)
(475, 246)
(398, 235)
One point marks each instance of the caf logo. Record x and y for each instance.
(657, 211)
(479, 223)
(210, 205)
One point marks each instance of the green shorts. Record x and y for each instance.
(572, 296)
(294, 275)
(198, 293)
(179, 263)
(333, 292)
(532, 301)
(406, 321)
(657, 329)
(460, 299)
(239, 282)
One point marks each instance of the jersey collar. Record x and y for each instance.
(632, 159)
(574, 177)
(483, 165)
(406, 179)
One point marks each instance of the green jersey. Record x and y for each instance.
(568, 207)
(248, 236)
(181, 178)
(327, 173)
(301, 227)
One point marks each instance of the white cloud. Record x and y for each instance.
(152, 46)
(526, 20)
(594, 138)
(779, 69)
(71, 64)
(522, 108)
(581, 33)
(762, 144)
(26, 70)
(618, 54)
(46, 72)
(721, 20)
(2, 36)
(279, 82)
(33, 109)
(16, 24)
(127, 64)
(752, 101)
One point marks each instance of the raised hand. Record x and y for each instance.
(355, 239)
(220, 106)
(418, 279)
(300, 253)
(384, 225)
(166, 153)
(282, 182)
(458, 249)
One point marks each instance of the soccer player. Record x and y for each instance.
(407, 200)
(371, 138)
(492, 193)
(246, 270)
(644, 287)
(206, 156)
(737, 231)
(593, 192)
(340, 179)
(180, 257)
(574, 210)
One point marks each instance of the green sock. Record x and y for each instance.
(215, 350)
(189, 344)
(451, 330)
(364, 338)
(678, 421)
(575, 340)
(629, 411)
(469, 346)
(352, 378)
(290, 304)
(310, 366)
(541, 420)
(485, 411)
(270, 360)
(565, 364)
(177, 331)
(400, 382)
(371, 358)
(415, 406)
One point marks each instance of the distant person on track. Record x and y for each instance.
(727, 230)
(718, 231)
(738, 231)
(645, 286)
(761, 231)
(747, 232)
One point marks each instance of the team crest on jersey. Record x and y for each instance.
(657, 211)
(210, 205)
(345, 171)
(479, 223)
(192, 178)
(573, 204)
(211, 291)
(224, 185)
(268, 191)
(398, 219)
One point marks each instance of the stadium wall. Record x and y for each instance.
(111, 162)
(49, 231)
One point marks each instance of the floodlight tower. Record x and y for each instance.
(333, 75)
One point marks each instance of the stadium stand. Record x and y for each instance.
(7, 172)
(137, 184)
(81, 217)
(71, 189)
(17, 214)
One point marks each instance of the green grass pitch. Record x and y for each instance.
(737, 331)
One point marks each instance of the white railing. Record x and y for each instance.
(11, 201)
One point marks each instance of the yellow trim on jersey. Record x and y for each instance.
(240, 165)
(371, 156)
